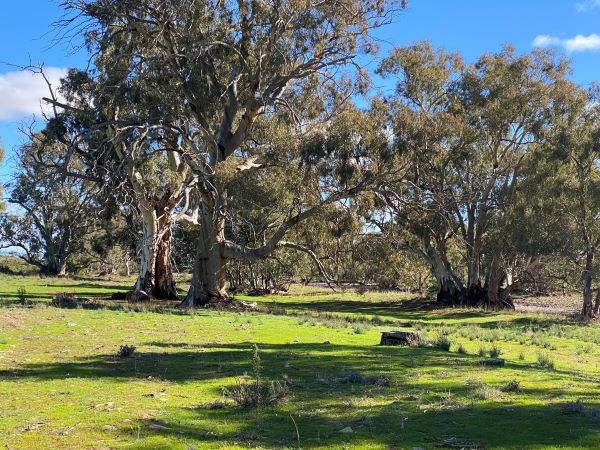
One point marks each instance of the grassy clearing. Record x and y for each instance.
(63, 383)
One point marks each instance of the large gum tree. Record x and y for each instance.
(465, 130)
(223, 66)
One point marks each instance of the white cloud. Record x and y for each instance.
(21, 92)
(578, 43)
(587, 5)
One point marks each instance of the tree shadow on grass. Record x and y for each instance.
(407, 413)
(418, 310)
(305, 361)
(391, 424)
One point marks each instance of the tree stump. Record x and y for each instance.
(400, 338)
(137, 297)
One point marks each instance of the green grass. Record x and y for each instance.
(63, 386)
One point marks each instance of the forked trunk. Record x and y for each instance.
(208, 276)
(155, 271)
(448, 289)
(145, 280)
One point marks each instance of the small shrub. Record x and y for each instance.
(511, 386)
(495, 352)
(64, 300)
(256, 393)
(443, 343)
(487, 393)
(482, 351)
(542, 342)
(360, 328)
(125, 351)
(461, 350)
(545, 361)
(572, 407)
(521, 357)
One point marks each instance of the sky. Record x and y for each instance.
(471, 27)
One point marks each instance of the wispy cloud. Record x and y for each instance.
(21, 92)
(587, 5)
(578, 43)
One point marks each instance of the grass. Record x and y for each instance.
(63, 386)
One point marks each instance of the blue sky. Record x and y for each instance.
(471, 27)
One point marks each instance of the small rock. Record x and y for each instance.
(156, 426)
(109, 428)
(347, 430)
(71, 324)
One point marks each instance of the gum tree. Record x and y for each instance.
(465, 131)
(228, 64)
(53, 213)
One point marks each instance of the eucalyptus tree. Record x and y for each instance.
(465, 131)
(121, 133)
(566, 185)
(224, 66)
(54, 214)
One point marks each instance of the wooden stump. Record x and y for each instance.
(137, 297)
(400, 338)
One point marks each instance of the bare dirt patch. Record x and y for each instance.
(12, 319)
(555, 304)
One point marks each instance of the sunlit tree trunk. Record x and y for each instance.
(209, 273)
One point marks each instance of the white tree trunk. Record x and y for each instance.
(145, 280)
(208, 277)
